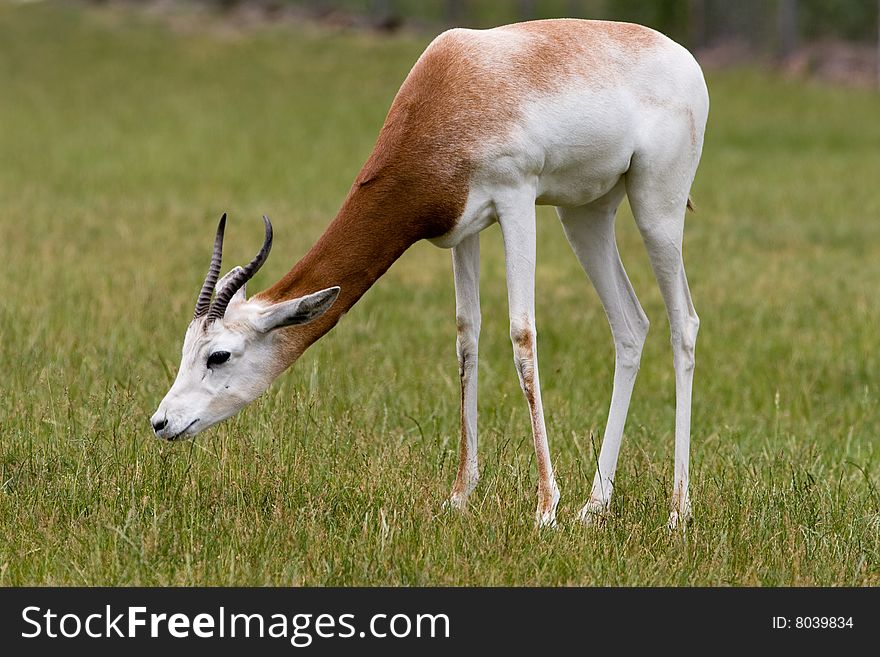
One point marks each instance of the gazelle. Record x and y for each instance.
(570, 113)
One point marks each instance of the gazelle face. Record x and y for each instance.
(231, 351)
(222, 368)
(228, 363)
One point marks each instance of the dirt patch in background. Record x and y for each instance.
(829, 60)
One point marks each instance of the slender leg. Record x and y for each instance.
(517, 219)
(658, 200)
(466, 270)
(590, 231)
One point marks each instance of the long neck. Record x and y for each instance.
(363, 241)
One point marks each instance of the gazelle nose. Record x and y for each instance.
(158, 425)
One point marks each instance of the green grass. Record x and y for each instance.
(121, 142)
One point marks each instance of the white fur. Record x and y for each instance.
(202, 396)
(581, 149)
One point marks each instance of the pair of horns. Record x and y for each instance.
(216, 310)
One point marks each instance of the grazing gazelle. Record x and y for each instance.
(571, 113)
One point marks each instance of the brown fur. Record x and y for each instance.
(524, 348)
(376, 224)
(595, 52)
(468, 86)
(465, 89)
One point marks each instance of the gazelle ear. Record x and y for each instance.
(296, 311)
(239, 294)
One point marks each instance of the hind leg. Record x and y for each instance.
(658, 194)
(590, 231)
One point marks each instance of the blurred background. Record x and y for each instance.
(838, 39)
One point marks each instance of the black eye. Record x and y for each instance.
(218, 357)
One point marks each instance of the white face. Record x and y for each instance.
(230, 362)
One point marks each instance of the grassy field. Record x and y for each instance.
(121, 142)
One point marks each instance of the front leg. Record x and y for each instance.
(518, 229)
(466, 270)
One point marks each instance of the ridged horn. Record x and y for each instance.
(203, 305)
(218, 308)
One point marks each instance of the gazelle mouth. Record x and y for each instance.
(183, 431)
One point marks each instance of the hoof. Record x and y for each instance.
(594, 514)
(545, 516)
(456, 502)
(679, 518)
(545, 519)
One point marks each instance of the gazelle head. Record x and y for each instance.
(230, 350)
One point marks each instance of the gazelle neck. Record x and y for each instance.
(372, 229)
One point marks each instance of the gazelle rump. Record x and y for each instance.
(488, 123)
